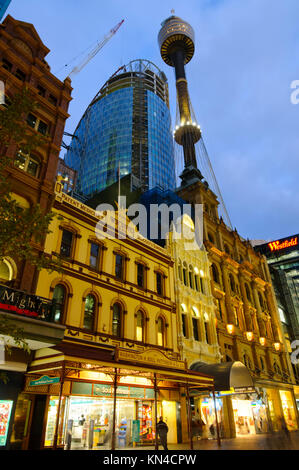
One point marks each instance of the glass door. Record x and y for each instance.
(21, 424)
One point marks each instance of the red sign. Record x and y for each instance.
(278, 245)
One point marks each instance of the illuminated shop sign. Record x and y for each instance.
(44, 380)
(14, 301)
(5, 412)
(282, 244)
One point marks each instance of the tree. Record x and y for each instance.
(23, 230)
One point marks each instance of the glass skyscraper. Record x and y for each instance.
(125, 130)
(4, 4)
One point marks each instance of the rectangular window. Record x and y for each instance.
(195, 329)
(140, 275)
(94, 259)
(159, 283)
(66, 243)
(119, 266)
(53, 100)
(37, 124)
(20, 75)
(31, 120)
(41, 91)
(207, 335)
(7, 65)
(184, 325)
(42, 128)
(220, 309)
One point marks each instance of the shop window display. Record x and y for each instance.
(87, 423)
(21, 422)
(243, 415)
(204, 424)
(288, 410)
(145, 416)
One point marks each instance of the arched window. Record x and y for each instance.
(262, 363)
(180, 270)
(140, 326)
(195, 316)
(232, 283)
(59, 298)
(276, 368)
(191, 277)
(185, 274)
(89, 312)
(184, 321)
(247, 361)
(161, 332)
(207, 328)
(215, 274)
(117, 320)
(6, 271)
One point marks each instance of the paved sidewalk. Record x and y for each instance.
(276, 441)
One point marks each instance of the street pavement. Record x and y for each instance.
(275, 441)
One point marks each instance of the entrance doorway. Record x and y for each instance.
(243, 416)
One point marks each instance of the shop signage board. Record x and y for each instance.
(106, 390)
(14, 301)
(235, 391)
(151, 357)
(102, 390)
(5, 412)
(44, 380)
(279, 245)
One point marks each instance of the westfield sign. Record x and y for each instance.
(280, 245)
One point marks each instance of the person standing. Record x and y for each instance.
(162, 430)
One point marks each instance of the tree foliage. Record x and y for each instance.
(22, 229)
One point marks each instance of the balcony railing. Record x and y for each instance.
(20, 303)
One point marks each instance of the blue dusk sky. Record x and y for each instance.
(246, 57)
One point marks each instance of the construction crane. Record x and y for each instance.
(96, 49)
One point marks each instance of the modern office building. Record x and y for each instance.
(4, 4)
(283, 261)
(126, 129)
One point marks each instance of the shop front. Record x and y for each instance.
(250, 415)
(99, 406)
(88, 422)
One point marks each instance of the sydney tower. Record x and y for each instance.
(176, 42)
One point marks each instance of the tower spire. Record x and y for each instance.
(176, 41)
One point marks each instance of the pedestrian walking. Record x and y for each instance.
(162, 430)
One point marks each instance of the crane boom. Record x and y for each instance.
(96, 49)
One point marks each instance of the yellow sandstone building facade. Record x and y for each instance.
(248, 326)
(118, 367)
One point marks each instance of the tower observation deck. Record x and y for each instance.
(176, 42)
